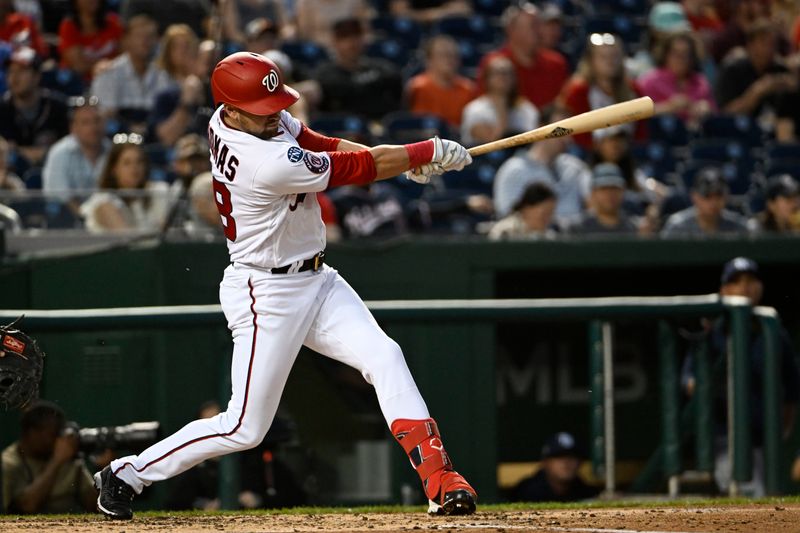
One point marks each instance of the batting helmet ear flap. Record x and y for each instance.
(252, 83)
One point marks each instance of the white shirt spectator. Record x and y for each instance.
(139, 214)
(120, 87)
(67, 168)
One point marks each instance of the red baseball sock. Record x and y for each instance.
(421, 441)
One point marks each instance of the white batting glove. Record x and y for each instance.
(422, 174)
(450, 155)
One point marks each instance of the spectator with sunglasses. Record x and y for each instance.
(127, 199)
(73, 163)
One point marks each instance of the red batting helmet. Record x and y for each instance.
(251, 82)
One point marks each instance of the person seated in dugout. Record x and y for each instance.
(42, 472)
(557, 479)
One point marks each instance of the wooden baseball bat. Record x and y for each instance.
(604, 117)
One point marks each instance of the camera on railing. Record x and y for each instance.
(134, 437)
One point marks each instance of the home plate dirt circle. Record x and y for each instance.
(742, 518)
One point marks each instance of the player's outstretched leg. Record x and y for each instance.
(115, 496)
(447, 491)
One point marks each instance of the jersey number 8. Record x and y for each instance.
(222, 197)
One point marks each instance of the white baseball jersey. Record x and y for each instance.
(265, 192)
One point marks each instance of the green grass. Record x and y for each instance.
(498, 507)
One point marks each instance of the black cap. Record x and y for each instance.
(782, 185)
(736, 266)
(708, 181)
(562, 444)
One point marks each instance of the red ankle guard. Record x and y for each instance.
(421, 441)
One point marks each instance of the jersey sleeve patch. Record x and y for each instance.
(295, 154)
(316, 163)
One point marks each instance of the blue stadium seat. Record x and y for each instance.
(405, 30)
(783, 151)
(471, 56)
(350, 127)
(789, 166)
(655, 159)
(668, 129)
(402, 127)
(740, 127)
(474, 179)
(474, 28)
(65, 81)
(306, 53)
(627, 7)
(497, 157)
(718, 150)
(490, 8)
(390, 50)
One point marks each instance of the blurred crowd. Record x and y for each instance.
(106, 103)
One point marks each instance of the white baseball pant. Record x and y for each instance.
(271, 316)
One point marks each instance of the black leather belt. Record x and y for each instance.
(315, 263)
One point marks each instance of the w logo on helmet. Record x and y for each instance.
(271, 81)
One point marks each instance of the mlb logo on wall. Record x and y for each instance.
(295, 154)
(315, 163)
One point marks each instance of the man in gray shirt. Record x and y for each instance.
(73, 164)
(605, 215)
(544, 162)
(708, 215)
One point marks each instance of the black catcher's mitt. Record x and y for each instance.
(21, 364)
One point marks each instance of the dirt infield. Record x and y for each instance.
(742, 518)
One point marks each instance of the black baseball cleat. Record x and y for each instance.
(456, 502)
(115, 496)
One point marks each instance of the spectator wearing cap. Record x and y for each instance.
(354, 83)
(18, 29)
(677, 84)
(664, 19)
(90, 33)
(127, 88)
(532, 217)
(759, 83)
(31, 118)
(440, 90)
(73, 164)
(190, 161)
(605, 214)
(708, 215)
(260, 35)
(541, 73)
(552, 28)
(316, 18)
(557, 479)
(782, 213)
(741, 277)
(188, 106)
(238, 14)
(501, 111)
(544, 162)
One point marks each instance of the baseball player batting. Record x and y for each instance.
(277, 293)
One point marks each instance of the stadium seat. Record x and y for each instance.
(391, 50)
(65, 81)
(627, 7)
(740, 178)
(740, 127)
(655, 159)
(475, 28)
(783, 151)
(474, 179)
(471, 56)
(402, 127)
(345, 126)
(402, 29)
(490, 8)
(789, 166)
(668, 129)
(497, 157)
(718, 150)
(306, 53)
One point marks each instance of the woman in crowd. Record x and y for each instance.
(178, 52)
(782, 213)
(678, 85)
(88, 35)
(127, 200)
(499, 112)
(599, 81)
(532, 217)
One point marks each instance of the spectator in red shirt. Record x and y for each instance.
(89, 34)
(541, 73)
(599, 81)
(702, 16)
(440, 90)
(18, 30)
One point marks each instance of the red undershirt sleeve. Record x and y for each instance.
(352, 168)
(316, 142)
